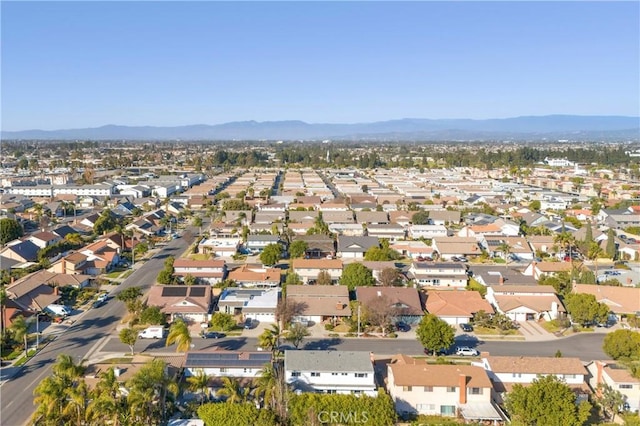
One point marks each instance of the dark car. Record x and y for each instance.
(441, 352)
(99, 303)
(466, 328)
(211, 335)
(403, 326)
(248, 323)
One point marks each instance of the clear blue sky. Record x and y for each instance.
(86, 64)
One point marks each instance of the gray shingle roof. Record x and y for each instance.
(328, 361)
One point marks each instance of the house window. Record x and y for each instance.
(448, 410)
(361, 374)
(518, 375)
(315, 374)
(407, 388)
(247, 370)
(224, 370)
(428, 388)
(451, 389)
(625, 386)
(569, 376)
(344, 374)
(334, 374)
(295, 374)
(475, 391)
(425, 407)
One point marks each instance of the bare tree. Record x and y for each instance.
(380, 312)
(285, 311)
(390, 277)
(324, 278)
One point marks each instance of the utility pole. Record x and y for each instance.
(358, 321)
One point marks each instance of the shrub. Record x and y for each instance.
(329, 327)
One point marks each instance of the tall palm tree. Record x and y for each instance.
(266, 386)
(594, 253)
(49, 398)
(179, 334)
(67, 369)
(505, 248)
(77, 401)
(19, 329)
(199, 383)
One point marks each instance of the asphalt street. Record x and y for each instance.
(586, 346)
(77, 340)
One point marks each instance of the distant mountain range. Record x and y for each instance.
(572, 127)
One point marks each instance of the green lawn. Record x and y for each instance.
(494, 332)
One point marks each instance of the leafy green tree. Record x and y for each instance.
(10, 230)
(585, 308)
(179, 334)
(190, 280)
(356, 274)
(20, 331)
(236, 414)
(105, 223)
(547, 401)
(420, 217)
(271, 254)
(611, 244)
(292, 278)
(165, 277)
(435, 334)
(535, 205)
(622, 344)
(298, 248)
(152, 315)
(296, 333)
(381, 254)
(221, 321)
(130, 293)
(128, 336)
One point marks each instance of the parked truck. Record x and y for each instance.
(59, 310)
(152, 333)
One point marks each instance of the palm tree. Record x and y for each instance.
(233, 391)
(179, 334)
(106, 400)
(265, 389)
(565, 240)
(270, 338)
(77, 399)
(49, 397)
(66, 369)
(594, 253)
(200, 383)
(505, 248)
(20, 328)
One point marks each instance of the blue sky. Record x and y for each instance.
(86, 64)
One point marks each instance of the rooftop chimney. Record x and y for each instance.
(339, 306)
(462, 387)
(501, 280)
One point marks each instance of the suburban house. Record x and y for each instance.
(260, 241)
(318, 246)
(257, 304)
(340, 372)
(518, 247)
(619, 378)
(413, 249)
(209, 271)
(319, 303)
(426, 231)
(390, 231)
(456, 307)
(20, 251)
(439, 274)
(330, 216)
(377, 266)
(347, 229)
(189, 302)
(444, 217)
(527, 302)
(620, 300)
(542, 243)
(372, 217)
(449, 247)
(221, 247)
(100, 257)
(255, 276)
(446, 390)
(303, 216)
(355, 247)
(220, 363)
(506, 371)
(33, 293)
(538, 269)
(44, 239)
(308, 269)
(403, 302)
(74, 263)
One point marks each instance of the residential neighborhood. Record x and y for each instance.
(234, 271)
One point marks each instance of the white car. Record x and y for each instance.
(464, 351)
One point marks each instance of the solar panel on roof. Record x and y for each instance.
(197, 291)
(174, 291)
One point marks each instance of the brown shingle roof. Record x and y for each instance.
(536, 365)
(317, 264)
(456, 303)
(437, 375)
(325, 300)
(396, 295)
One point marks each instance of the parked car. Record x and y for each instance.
(441, 352)
(102, 297)
(403, 326)
(99, 303)
(467, 328)
(211, 335)
(465, 351)
(248, 323)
